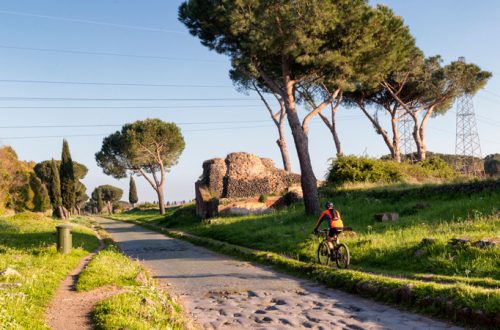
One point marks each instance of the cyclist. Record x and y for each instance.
(334, 223)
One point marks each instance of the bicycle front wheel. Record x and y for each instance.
(343, 258)
(323, 254)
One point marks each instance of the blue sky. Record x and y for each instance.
(166, 54)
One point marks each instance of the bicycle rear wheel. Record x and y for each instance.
(323, 254)
(343, 258)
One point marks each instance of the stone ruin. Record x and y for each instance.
(240, 175)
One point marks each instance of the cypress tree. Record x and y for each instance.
(55, 186)
(41, 200)
(98, 199)
(67, 173)
(132, 193)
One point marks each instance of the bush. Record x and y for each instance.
(437, 167)
(492, 165)
(352, 169)
(147, 205)
(262, 198)
(361, 169)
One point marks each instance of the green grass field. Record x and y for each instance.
(140, 306)
(27, 244)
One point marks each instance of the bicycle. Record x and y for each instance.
(339, 253)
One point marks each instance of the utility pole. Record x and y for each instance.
(467, 147)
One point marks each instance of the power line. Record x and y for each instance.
(118, 125)
(484, 119)
(85, 21)
(96, 135)
(141, 107)
(487, 98)
(178, 123)
(82, 52)
(449, 132)
(16, 81)
(24, 98)
(114, 125)
(490, 92)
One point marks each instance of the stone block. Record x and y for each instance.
(384, 217)
(206, 205)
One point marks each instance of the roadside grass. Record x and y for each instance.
(140, 306)
(108, 267)
(27, 244)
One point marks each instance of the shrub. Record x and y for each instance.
(361, 169)
(492, 165)
(437, 167)
(262, 198)
(147, 205)
(352, 169)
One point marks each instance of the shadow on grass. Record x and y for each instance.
(44, 239)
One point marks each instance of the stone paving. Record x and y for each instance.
(223, 293)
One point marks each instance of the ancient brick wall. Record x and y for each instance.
(245, 175)
(214, 171)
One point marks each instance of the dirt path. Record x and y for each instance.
(71, 310)
(223, 293)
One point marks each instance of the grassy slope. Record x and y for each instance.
(378, 247)
(141, 306)
(27, 245)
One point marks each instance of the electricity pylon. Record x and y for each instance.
(467, 147)
(407, 143)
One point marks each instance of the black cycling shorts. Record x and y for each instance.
(334, 231)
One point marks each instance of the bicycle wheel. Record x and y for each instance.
(343, 257)
(323, 254)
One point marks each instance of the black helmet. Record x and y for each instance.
(329, 205)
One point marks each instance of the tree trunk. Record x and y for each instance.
(108, 204)
(418, 141)
(333, 129)
(278, 121)
(421, 132)
(161, 201)
(58, 212)
(284, 149)
(336, 139)
(422, 148)
(396, 148)
(308, 179)
(380, 131)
